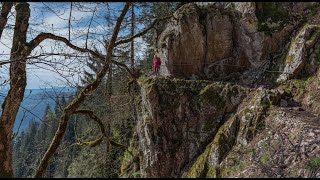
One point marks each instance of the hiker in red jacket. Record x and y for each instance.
(156, 64)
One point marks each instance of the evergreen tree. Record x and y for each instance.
(93, 67)
(57, 107)
(25, 154)
(30, 145)
(18, 165)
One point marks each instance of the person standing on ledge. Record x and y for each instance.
(156, 64)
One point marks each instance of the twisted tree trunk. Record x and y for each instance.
(18, 83)
(6, 7)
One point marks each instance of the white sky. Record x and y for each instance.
(55, 20)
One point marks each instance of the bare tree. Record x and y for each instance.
(72, 107)
(20, 53)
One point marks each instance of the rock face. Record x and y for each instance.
(214, 39)
(238, 129)
(297, 55)
(178, 118)
(210, 129)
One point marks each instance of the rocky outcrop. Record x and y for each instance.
(287, 147)
(298, 52)
(177, 120)
(238, 129)
(201, 128)
(306, 91)
(209, 40)
(211, 129)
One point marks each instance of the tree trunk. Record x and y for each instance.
(6, 7)
(17, 87)
(134, 88)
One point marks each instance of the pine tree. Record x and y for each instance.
(93, 65)
(57, 106)
(103, 160)
(26, 156)
(18, 165)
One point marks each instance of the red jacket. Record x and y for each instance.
(156, 62)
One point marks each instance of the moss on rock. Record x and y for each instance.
(198, 169)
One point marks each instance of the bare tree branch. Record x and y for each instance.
(155, 22)
(43, 36)
(89, 28)
(7, 62)
(72, 107)
(102, 129)
(70, 19)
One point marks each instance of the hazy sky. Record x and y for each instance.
(54, 18)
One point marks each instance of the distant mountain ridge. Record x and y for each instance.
(35, 102)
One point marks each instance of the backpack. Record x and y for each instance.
(158, 61)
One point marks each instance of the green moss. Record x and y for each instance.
(314, 35)
(244, 127)
(223, 132)
(252, 120)
(236, 161)
(246, 110)
(147, 119)
(223, 140)
(226, 170)
(129, 158)
(314, 163)
(226, 137)
(299, 83)
(198, 169)
(283, 57)
(249, 21)
(211, 94)
(298, 87)
(211, 172)
(290, 58)
(147, 83)
(264, 158)
(92, 143)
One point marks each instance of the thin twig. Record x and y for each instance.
(70, 19)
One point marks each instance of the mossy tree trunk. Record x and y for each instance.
(17, 87)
